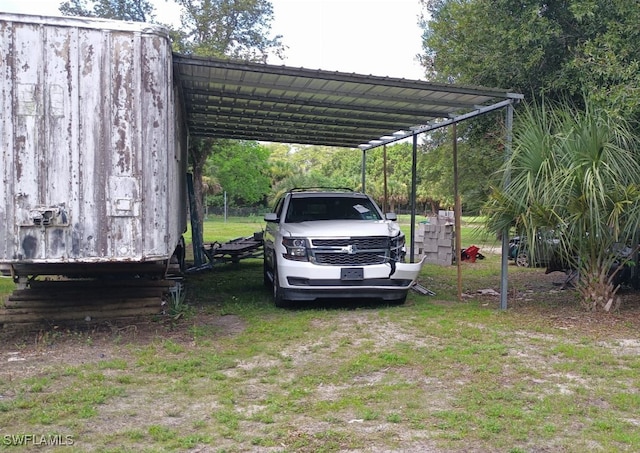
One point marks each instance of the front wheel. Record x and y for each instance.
(399, 301)
(265, 274)
(278, 300)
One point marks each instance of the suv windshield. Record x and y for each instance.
(330, 208)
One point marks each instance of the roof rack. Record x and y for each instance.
(309, 189)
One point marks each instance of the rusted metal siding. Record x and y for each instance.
(93, 159)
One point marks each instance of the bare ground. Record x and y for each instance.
(535, 298)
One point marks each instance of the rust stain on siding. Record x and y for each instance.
(124, 156)
(21, 142)
(87, 66)
(122, 120)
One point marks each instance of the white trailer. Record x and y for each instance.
(93, 147)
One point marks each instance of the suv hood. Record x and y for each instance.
(341, 228)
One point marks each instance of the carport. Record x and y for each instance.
(253, 101)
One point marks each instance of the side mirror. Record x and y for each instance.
(271, 217)
(391, 216)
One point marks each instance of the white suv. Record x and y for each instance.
(334, 243)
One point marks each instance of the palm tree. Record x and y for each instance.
(578, 173)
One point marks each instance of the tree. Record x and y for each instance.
(578, 173)
(304, 166)
(131, 10)
(311, 179)
(241, 169)
(553, 50)
(524, 45)
(608, 65)
(398, 175)
(279, 165)
(199, 151)
(217, 28)
(344, 166)
(229, 28)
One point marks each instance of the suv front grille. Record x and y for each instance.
(360, 251)
(343, 259)
(360, 243)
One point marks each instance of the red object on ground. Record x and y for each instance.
(470, 253)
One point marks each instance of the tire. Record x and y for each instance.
(265, 274)
(277, 290)
(523, 259)
(397, 302)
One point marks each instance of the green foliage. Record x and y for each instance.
(320, 166)
(555, 50)
(577, 173)
(311, 166)
(232, 28)
(238, 29)
(6, 287)
(398, 170)
(131, 10)
(607, 64)
(478, 42)
(546, 50)
(241, 169)
(176, 302)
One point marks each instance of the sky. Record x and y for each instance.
(378, 37)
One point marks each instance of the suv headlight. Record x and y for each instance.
(296, 249)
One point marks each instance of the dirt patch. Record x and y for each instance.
(536, 297)
(265, 379)
(28, 350)
(543, 298)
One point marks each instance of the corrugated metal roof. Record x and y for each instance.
(253, 101)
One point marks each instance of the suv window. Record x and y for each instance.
(278, 207)
(330, 208)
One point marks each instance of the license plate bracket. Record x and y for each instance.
(352, 273)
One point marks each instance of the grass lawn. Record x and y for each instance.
(228, 372)
(216, 229)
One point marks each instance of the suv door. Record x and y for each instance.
(270, 233)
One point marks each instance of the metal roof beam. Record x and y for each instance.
(385, 108)
(314, 106)
(283, 125)
(410, 96)
(354, 120)
(182, 60)
(438, 125)
(280, 138)
(259, 131)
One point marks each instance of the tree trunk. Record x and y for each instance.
(596, 289)
(199, 151)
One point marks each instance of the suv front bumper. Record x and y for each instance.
(307, 281)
